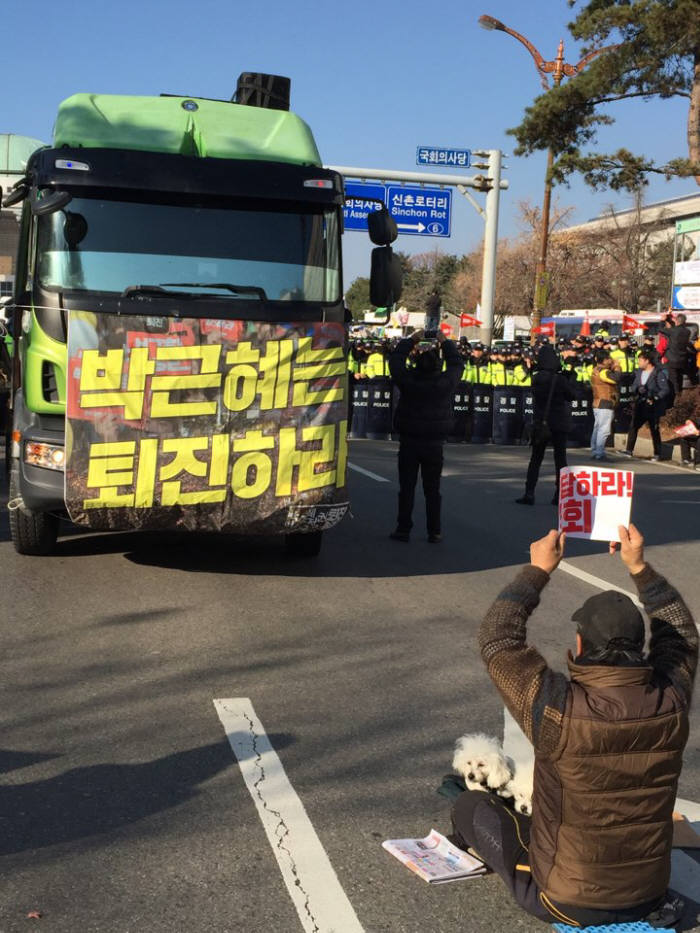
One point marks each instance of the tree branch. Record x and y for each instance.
(611, 100)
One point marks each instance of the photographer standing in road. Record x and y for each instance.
(650, 391)
(423, 421)
(608, 743)
(553, 392)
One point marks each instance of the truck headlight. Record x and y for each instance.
(49, 456)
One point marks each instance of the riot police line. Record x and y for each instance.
(482, 413)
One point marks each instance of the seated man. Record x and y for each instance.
(608, 747)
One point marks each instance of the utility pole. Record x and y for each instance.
(559, 69)
(488, 273)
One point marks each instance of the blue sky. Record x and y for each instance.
(373, 80)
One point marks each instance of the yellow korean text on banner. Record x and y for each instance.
(205, 425)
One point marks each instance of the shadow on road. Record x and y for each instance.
(482, 528)
(102, 798)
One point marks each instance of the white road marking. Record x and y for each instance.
(597, 582)
(374, 476)
(515, 743)
(321, 903)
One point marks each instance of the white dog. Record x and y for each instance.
(519, 787)
(480, 760)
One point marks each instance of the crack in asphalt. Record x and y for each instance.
(282, 830)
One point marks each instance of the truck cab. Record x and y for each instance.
(178, 312)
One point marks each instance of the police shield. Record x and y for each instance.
(379, 410)
(360, 404)
(461, 414)
(507, 415)
(482, 414)
(623, 409)
(528, 410)
(581, 417)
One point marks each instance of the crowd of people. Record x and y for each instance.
(428, 373)
(656, 366)
(514, 363)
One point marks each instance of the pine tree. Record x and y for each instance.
(656, 55)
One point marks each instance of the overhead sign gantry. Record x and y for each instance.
(359, 182)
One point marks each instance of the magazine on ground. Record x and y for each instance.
(435, 859)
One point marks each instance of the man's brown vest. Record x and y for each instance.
(601, 825)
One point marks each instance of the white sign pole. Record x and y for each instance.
(488, 277)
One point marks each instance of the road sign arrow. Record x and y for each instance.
(419, 227)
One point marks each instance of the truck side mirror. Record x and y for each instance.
(385, 278)
(49, 203)
(382, 227)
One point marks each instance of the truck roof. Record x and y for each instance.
(189, 126)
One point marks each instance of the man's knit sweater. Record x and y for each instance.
(536, 695)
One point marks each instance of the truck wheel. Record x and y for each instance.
(298, 545)
(32, 532)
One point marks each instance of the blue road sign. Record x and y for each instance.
(420, 211)
(433, 155)
(358, 204)
(417, 211)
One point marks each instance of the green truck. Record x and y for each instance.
(180, 334)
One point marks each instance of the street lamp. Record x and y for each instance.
(559, 69)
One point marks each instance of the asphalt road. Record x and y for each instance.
(123, 806)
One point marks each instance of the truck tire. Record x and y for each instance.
(299, 545)
(32, 532)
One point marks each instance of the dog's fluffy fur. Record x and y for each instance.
(519, 787)
(480, 760)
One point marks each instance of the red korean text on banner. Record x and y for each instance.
(593, 502)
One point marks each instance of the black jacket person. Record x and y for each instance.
(423, 419)
(553, 392)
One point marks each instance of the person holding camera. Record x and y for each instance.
(423, 420)
(650, 391)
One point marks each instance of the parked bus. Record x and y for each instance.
(569, 323)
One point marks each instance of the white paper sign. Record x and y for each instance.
(593, 501)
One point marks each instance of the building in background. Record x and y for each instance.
(14, 153)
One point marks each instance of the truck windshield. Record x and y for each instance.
(108, 246)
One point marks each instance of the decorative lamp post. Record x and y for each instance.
(559, 69)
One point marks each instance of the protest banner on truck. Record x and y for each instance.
(204, 424)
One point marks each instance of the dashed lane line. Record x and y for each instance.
(311, 881)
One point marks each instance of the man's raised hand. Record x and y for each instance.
(632, 548)
(546, 552)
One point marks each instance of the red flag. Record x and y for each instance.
(631, 324)
(546, 330)
(468, 320)
(446, 329)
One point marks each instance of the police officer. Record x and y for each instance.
(499, 375)
(623, 355)
(377, 365)
(482, 364)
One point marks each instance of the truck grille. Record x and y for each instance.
(49, 387)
